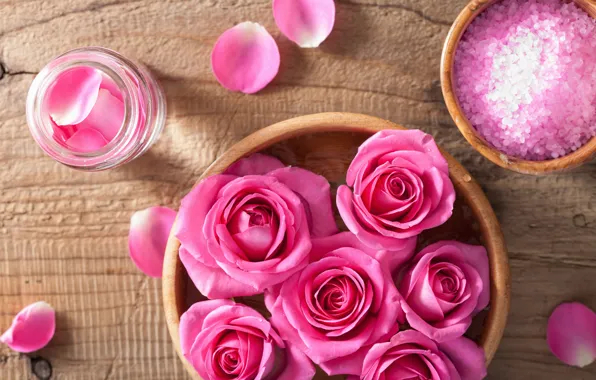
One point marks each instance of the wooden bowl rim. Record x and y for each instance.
(570, 161)
(347, 122)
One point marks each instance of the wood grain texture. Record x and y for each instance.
(63, 233)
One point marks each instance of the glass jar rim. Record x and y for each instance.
(40, 126)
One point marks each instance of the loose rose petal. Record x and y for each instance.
(255, 164)
(106, 116)
(571, 334)
(148, 236)
(245, 58)
(73, 95)
(86, 140)
(31, 329)
(108, 83)
(306, 22)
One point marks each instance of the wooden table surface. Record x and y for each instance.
(63, 233)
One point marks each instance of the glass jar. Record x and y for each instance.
(142, 97)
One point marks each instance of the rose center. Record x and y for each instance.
(448, 281)
(259, 216)
(397, 188)
(228, 361)
(411, 367)
(254, 227)
(338, 300)
(334, 295)
(448, 285)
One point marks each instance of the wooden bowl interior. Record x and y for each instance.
(327, 148)
(568, 162)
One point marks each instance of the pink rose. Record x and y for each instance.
(401, 187)
(336, 308)
(242, 233)
(411, 355)
(446, 284)
(224, 340)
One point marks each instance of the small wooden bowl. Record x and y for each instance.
(568, 162)
(326, 143)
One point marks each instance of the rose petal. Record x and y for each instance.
(108, 83)
(86, 140)
(213, 282)
(73, 95)
(31, 329)
(106, 116)
(316, 192)
(571, 334)
(391, 140)
(467, 357)
(391, 259)
(255, 164)
(345, 206)
(191, 322)
(298, 366)
(245, 58)
(148, 236)
(192, 213)
(306, 22)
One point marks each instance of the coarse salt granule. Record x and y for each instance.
(525, 77)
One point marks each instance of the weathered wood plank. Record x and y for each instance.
(63, 233)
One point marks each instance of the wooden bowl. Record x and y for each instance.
(326, 143)
(568, 162)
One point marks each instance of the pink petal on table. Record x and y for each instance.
(306, 22)
(148, 236)
(31, 329)
(73, 95)
(86, 140)
(571, 334)
(106, 116)
(245, 58)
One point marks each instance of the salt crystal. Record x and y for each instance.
(522, 79)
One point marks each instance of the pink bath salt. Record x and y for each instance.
(525, 77)
(86, 109)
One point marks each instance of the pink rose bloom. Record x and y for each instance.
(401, 187)
(224, 340)
(446, 284)
(411, 355)
(242, 233)
(336, 308)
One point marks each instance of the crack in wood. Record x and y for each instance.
(5, 72)
(370, 91)
(137, 298)
(110, 370)
(92, 8)
(401, 7)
